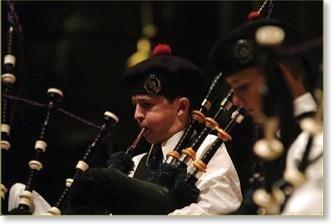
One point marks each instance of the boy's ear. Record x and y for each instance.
(183, 106)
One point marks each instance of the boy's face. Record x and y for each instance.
(160, 117)
(247, 85)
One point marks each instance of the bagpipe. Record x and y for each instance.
(111, 191)
(9, 97)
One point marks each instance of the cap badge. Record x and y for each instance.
(152, 85)
(243, 52)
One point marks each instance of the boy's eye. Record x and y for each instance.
(146, 104)
(241, 88)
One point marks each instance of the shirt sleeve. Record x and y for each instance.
(219, 186)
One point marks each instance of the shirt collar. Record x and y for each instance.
(169, 144)
(303, 104)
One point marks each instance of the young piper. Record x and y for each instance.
(268, 81)
(164, 90)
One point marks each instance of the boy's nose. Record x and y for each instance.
(139, 115)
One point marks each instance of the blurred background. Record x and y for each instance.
(83, 47)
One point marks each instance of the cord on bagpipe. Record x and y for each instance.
(34, 103)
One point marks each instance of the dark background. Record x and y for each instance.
(82, 47)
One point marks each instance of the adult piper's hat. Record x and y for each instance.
(252, 44)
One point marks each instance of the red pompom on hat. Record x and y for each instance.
(254, 15)
(162, 49)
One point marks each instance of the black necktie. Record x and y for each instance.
(155, 158)
(149, 165)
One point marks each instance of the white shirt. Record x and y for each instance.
(308, 198)
(219, 186)
(304, 103)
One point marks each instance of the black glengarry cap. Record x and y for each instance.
(166, 75)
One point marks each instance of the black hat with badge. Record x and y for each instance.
(253, 44)
(166, 75)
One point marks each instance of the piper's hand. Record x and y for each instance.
(167, 175)
(183, 193)
(122, 162)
